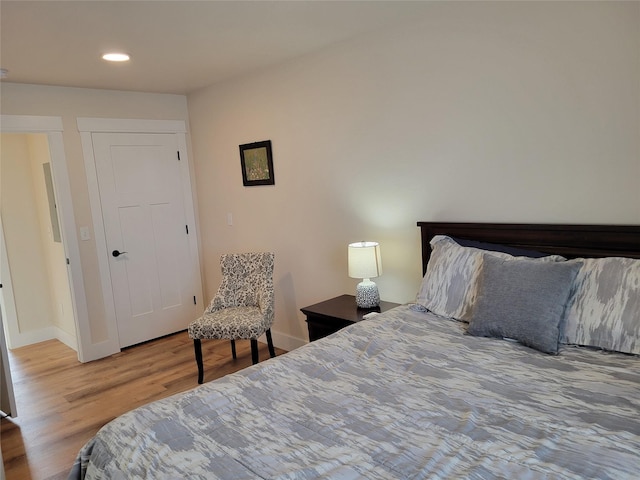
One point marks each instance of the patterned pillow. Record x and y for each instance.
(523, 300)
(449, 287)
(604, 307)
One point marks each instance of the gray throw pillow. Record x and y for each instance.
(523, 300)
(449, 287)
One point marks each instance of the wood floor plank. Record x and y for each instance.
(62, 403)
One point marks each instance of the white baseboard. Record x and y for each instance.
(69, 340)
(23, 339)
(283, 341)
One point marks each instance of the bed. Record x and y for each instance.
(410, 393)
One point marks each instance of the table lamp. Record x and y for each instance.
(365, 262)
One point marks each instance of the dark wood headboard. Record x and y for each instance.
(570, 241)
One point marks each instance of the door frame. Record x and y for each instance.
(88, 126)
(52, 127)
(8, 299)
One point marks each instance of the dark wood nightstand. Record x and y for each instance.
(327, 317)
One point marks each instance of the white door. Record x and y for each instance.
(153, 277)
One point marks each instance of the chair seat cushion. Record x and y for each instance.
(229, 323)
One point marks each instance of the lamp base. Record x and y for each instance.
(367, 295)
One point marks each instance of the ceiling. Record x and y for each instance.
(176, 46)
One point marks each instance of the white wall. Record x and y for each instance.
(505, 112)
(61, 308)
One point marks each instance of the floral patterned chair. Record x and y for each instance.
(243, 307)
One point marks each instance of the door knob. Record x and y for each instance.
(116, 253)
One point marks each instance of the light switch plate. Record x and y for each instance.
(84, 233)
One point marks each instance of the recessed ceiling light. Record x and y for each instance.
(116, 57)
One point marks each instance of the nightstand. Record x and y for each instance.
(327, 317)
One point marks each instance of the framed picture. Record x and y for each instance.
(257, 163)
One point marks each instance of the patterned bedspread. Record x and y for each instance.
(402, 395)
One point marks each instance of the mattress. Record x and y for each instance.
(404, 394)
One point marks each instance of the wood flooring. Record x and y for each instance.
(62, 403)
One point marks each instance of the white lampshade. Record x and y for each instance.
(365, 260)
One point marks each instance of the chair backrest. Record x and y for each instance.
(247, 281)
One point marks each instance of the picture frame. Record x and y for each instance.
(256, 160)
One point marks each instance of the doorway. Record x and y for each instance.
(36, 298)
(51, 127)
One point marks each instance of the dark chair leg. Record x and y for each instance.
(272, 351)
(197, 346)
(233, 349)
(254, 350)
